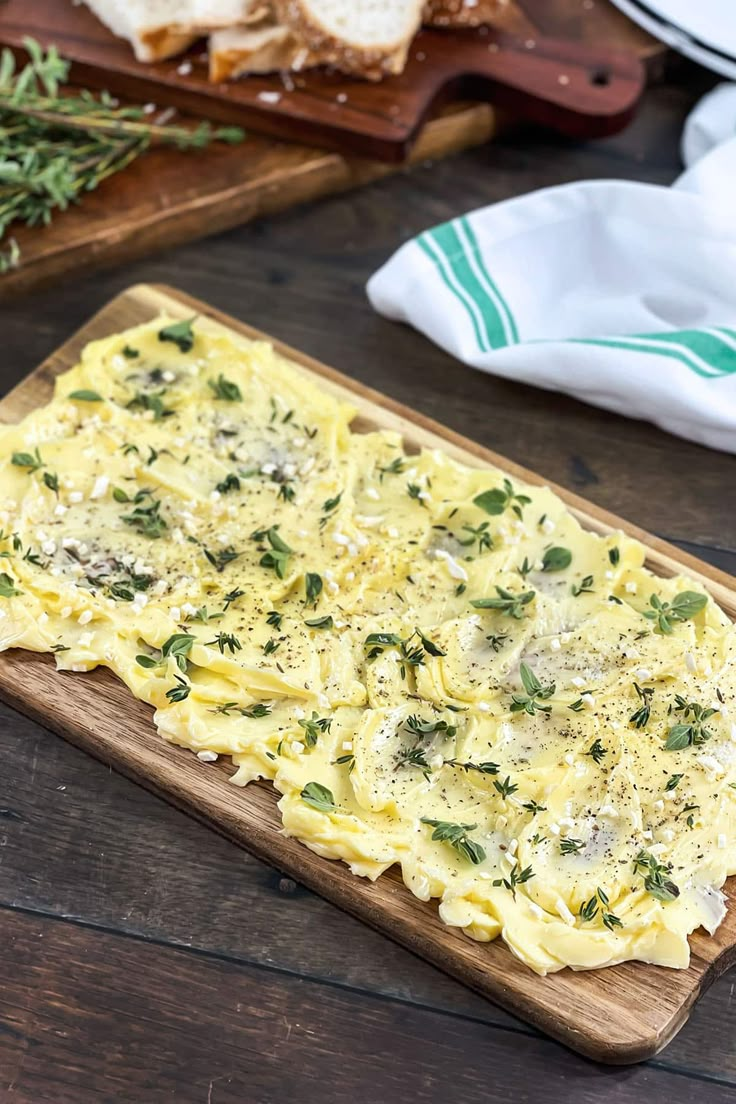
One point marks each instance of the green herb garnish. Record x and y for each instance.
(656, 877)
(180, 333)
(85, 396)
(691, 732)
(456, 835)
(499, 499)
(319, 797)
(535, 694)
(683, 607)
(510, 604)
(556, 559)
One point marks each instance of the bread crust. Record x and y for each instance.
(370, 62)
(458, 13)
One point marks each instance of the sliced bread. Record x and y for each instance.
(159, 29)
(266, 48)
(368, 38)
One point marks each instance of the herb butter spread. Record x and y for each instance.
(436, 666)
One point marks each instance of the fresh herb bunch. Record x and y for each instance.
(55, 146)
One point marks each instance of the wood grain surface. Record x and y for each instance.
(591, 1012)
(583, 88)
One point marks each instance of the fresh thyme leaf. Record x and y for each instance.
(571, 846)
(506, 787)
(415, 491)
(396, 467)
(325, 622)
(271, 646)
(277, 558)
(691, 732)
(456, 835)
(495, 501)
(479, 533)
(516, 877)
(506, 602)
(585, 587)
(313, 586)
(221, 558)
(180, 333)
(121, 592)
(256, 711)
(229, 483)
(640, 718)
(314, 727)
(319, 797)
(683, 607)
(497, 641)
(286, 492)
(673, 782)
(535, 694)
(151, 401)
(226, 641)
(525, 568)
(346, 760)
(411, 654)
(534, 807)
(656, 877)
(225, 389)
(429, 646)
(178, 647)
(8, 588)
(180, 692)
(481, 768)
(232, 596)
(130, 353)
(421, 727)
(51, 480)
(275, 618)
(29, 460)
(589, 911)
(146, 519)
(556, 559)
(614, 555)
(597, 751)
(85, 396)
(331, 504)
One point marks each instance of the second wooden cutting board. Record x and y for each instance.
(621, 1014)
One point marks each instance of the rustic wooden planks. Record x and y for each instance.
(620, 1014)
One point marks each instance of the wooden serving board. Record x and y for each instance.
(621, 1014)
(584, 89)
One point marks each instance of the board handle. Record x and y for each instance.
(579, 90)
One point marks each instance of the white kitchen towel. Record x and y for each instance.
(622, 294)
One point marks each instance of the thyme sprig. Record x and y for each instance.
(57, 146)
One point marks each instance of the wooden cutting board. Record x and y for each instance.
(167, 197)
(621, 1014)
(582, 88)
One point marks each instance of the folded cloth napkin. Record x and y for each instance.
(622, 294)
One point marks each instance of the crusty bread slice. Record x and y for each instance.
(159, 29)
(368, 38)
(462, 13)
(266, 48)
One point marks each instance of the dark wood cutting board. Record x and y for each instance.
(619, 1014)
(586, 89)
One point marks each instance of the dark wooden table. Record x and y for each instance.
(145, 959)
